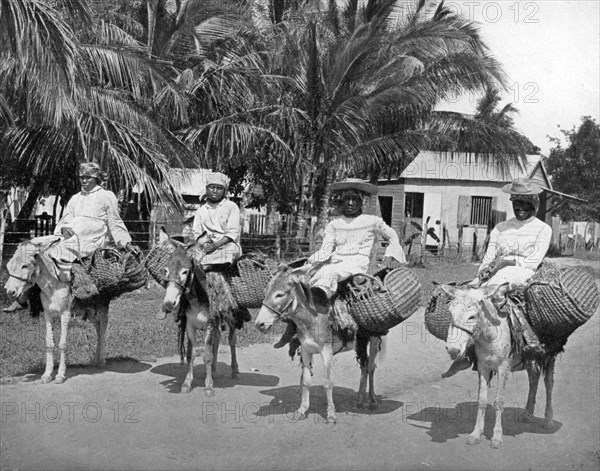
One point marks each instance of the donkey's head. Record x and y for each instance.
(23, 269)
(284, 292)
(182, 274)
(473, 315)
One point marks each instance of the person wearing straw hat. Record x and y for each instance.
(516, 247)
(219, 220)
(347, 245)
(91, 220)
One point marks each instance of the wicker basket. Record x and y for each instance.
(378, 306)
(559, 301)
(158, 258)
(437, 314)
(248, 288)
(114, 272)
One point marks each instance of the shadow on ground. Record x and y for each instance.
(450, 422)
(114, 365)
(222, 378)
(286, 401)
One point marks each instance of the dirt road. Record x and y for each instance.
(131, 416)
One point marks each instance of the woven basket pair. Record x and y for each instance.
(248, 288)
(158, 259)
(377, 305)
(115, 272)
(559, 301)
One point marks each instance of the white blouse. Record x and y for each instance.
(525, 242)
(345, 237)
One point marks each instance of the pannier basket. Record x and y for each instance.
(437, 314)
(248, 288)
(377, 305)
(559, 301)
(115, 272)
(158, 259)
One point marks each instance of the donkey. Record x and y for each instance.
(30, 265)
(187, 295)
(288, 297)
(474, 314)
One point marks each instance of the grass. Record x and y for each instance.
(133, 330)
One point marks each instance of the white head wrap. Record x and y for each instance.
(217, 178)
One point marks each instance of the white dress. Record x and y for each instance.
(219, 220)
(347, 247)
(94, 218)
(525, 242)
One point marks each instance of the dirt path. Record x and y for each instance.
(132, 416)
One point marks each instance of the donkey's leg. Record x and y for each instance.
(209, 342)
(533, 373)
(215, 348)
(549, 382)
(327, 355)
(47, 376)
(503, 371)
(374, 343)
(363, 360)
(190, 332)
(235, 370)
(305, 383)
(475, 436)
(100, 323)
(62, 346)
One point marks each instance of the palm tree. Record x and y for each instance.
(76, 88)
(366, 89)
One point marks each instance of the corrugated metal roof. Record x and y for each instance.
(429, 165)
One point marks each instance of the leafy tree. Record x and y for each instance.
(575, 170)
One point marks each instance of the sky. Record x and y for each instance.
(550, 50)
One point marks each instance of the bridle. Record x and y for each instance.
(453, 324)
(280, 313)
(186, 287)
(26, 280)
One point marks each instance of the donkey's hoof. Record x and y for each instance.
(299, 415)
(46, 379)
(496, 443)
(528, 417)
(471, 440)
(186, 388)
(101, 364)
(331, 419)
(235, 374)
(209, 392)
(548, 424)
(60, 379)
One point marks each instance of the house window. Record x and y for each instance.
(481, 210)
(386, 203)
(413, 205)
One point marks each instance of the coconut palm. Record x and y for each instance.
(366, 89)
(77, 88)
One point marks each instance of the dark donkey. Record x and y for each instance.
(187, 294)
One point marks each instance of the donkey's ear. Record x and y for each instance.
(163, 236)
(450, 290)
(490, 312)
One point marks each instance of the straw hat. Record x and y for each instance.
(355, 184)
(522, 186)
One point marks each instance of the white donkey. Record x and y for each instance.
(28, 266)
(474, 314)
(288, 297)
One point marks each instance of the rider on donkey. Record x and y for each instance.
(516, 248)
(347, 246)
(219, 220)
